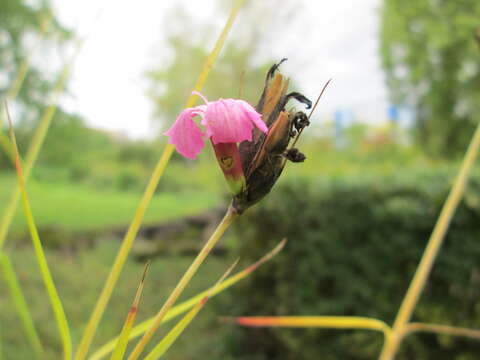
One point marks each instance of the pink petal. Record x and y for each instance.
(227, 122)
(254, 116)
(185, 134)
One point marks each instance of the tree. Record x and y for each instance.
(433, 65)
(26, 29)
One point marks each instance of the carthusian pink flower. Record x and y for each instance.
(224, 121)
(252, 145)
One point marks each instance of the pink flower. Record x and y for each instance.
(225, 121)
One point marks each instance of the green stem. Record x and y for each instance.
(228, 219)
(21, 304)
(127, 243)
(435, 242)
(34, 150)
(40, 255)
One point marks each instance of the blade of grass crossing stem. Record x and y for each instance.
(122, 342)
(20, 304)
(158, 171)
(188, 304)
(433, 247)
(40, 255)
(162, 347)
(35, 146)
(227, 220)
(327, 322)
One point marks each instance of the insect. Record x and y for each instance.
(264, 158)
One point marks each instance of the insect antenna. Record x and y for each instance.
(311, 112)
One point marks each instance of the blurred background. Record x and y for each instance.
(382, 151)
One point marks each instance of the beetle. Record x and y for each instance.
(264, 158)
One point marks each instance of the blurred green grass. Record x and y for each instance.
(80, 207)
(79, 289)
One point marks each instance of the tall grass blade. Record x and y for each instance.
(227, 220)
(132, 231)
(434, 243)
(327, 322)
(20, 304)
(188, 304)
(42, 261)
(35, 146)
(165, 344)
(122, 343)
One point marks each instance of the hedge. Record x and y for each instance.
(353, 245)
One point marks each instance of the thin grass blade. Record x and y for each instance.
(20, 304)
(190, 303)
(442, 329)
(132, 231)
(35, 146)
(55, 301)
(122, 343)
(162, 347)
(327, 322)
(227, 220)
(432, 249)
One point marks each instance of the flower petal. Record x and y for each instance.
(254, 116)
(185, 134)
(226, 121)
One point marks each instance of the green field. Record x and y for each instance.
(81, 207)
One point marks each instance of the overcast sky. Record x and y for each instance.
(329, 39)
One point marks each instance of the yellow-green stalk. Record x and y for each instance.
(188, 304)
(227, 220)
(328, 322)
(55, 301)
(435, 242)
(127, 242)
(168, 340)
(122, 342)
(20, 304)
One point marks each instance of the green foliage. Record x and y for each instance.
(74, 152)
(22, 24)
(79, 277)
(28, 27)
(354, 243)
(433, 64)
